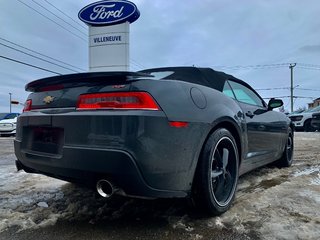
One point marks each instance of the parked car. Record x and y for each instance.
(8, 123)
(158, 133)
(315, 122)
(302, 121)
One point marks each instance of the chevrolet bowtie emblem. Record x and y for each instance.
(48, 99)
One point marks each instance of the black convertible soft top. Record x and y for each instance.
(204, 76)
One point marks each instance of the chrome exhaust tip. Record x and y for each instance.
(105, 188)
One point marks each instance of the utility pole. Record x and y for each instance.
(292, 65)
(10, 101)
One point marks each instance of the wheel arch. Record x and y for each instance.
(234, 129)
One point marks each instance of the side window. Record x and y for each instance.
(227, 90)
(246, 95)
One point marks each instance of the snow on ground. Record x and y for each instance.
(271, 203)
(23, 197)
(282, 203)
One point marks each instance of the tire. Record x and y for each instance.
(287, 156)
(217, 173)
(307, 127)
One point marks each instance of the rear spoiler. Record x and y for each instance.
(81, 79)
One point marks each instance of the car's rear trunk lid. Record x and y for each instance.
(64, 91)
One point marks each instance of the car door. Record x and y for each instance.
(263, 128)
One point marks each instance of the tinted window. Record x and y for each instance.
(227, 90)
(246, 95)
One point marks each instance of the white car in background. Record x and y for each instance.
(302, 121)
(8, 125)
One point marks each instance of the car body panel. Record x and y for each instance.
(155, 159)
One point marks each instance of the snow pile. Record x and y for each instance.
(23, 198)
(32, 201)
(280, 203)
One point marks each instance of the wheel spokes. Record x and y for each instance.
(216, 173)
(225, 159)
(222, 170)
(219, 173)
(221, 164)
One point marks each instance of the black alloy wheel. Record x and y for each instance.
(217, 173)
(287, 156)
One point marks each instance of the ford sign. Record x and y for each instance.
(108, 12)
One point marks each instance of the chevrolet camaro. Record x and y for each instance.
(158, 133)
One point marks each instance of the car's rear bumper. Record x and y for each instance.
(142, 155)
(88, 165)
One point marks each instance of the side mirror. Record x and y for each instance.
(274, 103)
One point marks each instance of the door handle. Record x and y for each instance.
(249, 114)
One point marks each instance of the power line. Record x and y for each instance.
(309, 68)
(30, 65)
(265, 89)
(289, 97)
(294, 101)
(266, 66)
(309, 89)
(42, 59)
(285, 88)
(65, 14)
(309, 65)
(84, 33)
(258, 66)
(81, 69)
(137, 64)
(53, 21)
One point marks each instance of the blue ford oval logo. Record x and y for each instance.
(108, 12)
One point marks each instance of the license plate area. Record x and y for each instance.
(44, 139)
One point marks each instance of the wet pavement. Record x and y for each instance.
(271, 203)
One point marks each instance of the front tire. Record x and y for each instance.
(217, 173)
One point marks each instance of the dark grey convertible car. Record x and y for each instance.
(158, 133)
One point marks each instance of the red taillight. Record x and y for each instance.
(178, 124)
(117, 100)
(27, 105)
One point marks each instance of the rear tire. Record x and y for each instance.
(217, 173)
(287, 156)
(307, 127)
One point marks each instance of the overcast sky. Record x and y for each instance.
(207, 33)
